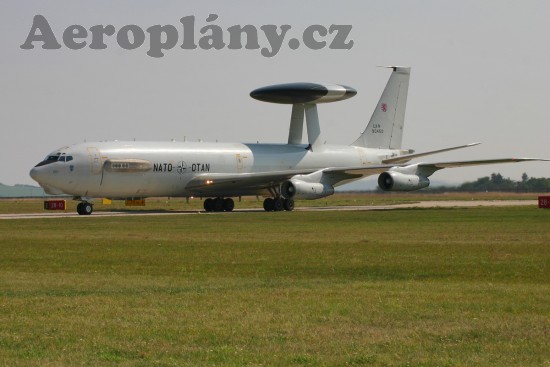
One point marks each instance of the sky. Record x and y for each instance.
(480, 72)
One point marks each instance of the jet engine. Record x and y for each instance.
(397, 181)
(298, 189)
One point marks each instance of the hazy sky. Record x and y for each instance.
(480, 72)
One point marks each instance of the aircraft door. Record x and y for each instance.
(241, 163)
(95, 160)
(363, 157)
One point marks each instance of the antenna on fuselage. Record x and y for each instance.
(304, 98)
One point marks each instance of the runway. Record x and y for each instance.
(421, 204)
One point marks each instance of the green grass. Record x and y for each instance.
(434, 287)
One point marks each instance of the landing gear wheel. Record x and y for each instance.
(87, 208)
(278, 204)
(209, 205)
(288, 205)
(84, 208)
(269, 204)
(218, 204)
(228, 205)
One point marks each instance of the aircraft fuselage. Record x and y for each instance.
(120, 169)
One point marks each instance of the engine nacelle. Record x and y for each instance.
(298, 189)
(396, 181)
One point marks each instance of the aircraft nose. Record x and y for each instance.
(35, 174)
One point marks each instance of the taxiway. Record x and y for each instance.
(421, 204)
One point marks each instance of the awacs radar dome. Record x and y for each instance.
(293, 93)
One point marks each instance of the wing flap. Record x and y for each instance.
(407, 157)
(442, 165)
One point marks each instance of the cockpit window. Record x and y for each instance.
(53, 158)
(57, 157)
(50, 159)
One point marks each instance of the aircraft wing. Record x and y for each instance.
(261, 182)
(239, 182)
(258, 182)
(423, 169)
(430, 168)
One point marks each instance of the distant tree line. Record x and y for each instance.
(496, 182)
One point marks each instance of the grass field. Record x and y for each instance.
(424, 287)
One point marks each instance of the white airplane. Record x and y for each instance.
(280, 172)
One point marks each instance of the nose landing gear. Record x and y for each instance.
(84, 208)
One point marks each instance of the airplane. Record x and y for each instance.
(219, 172)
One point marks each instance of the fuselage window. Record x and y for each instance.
(120, 165)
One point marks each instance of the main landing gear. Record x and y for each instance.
(219, 205)
(84, 208)
(278, 204)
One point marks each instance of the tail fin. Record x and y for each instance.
(385, 128)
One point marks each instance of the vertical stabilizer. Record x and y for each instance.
(385, 128)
